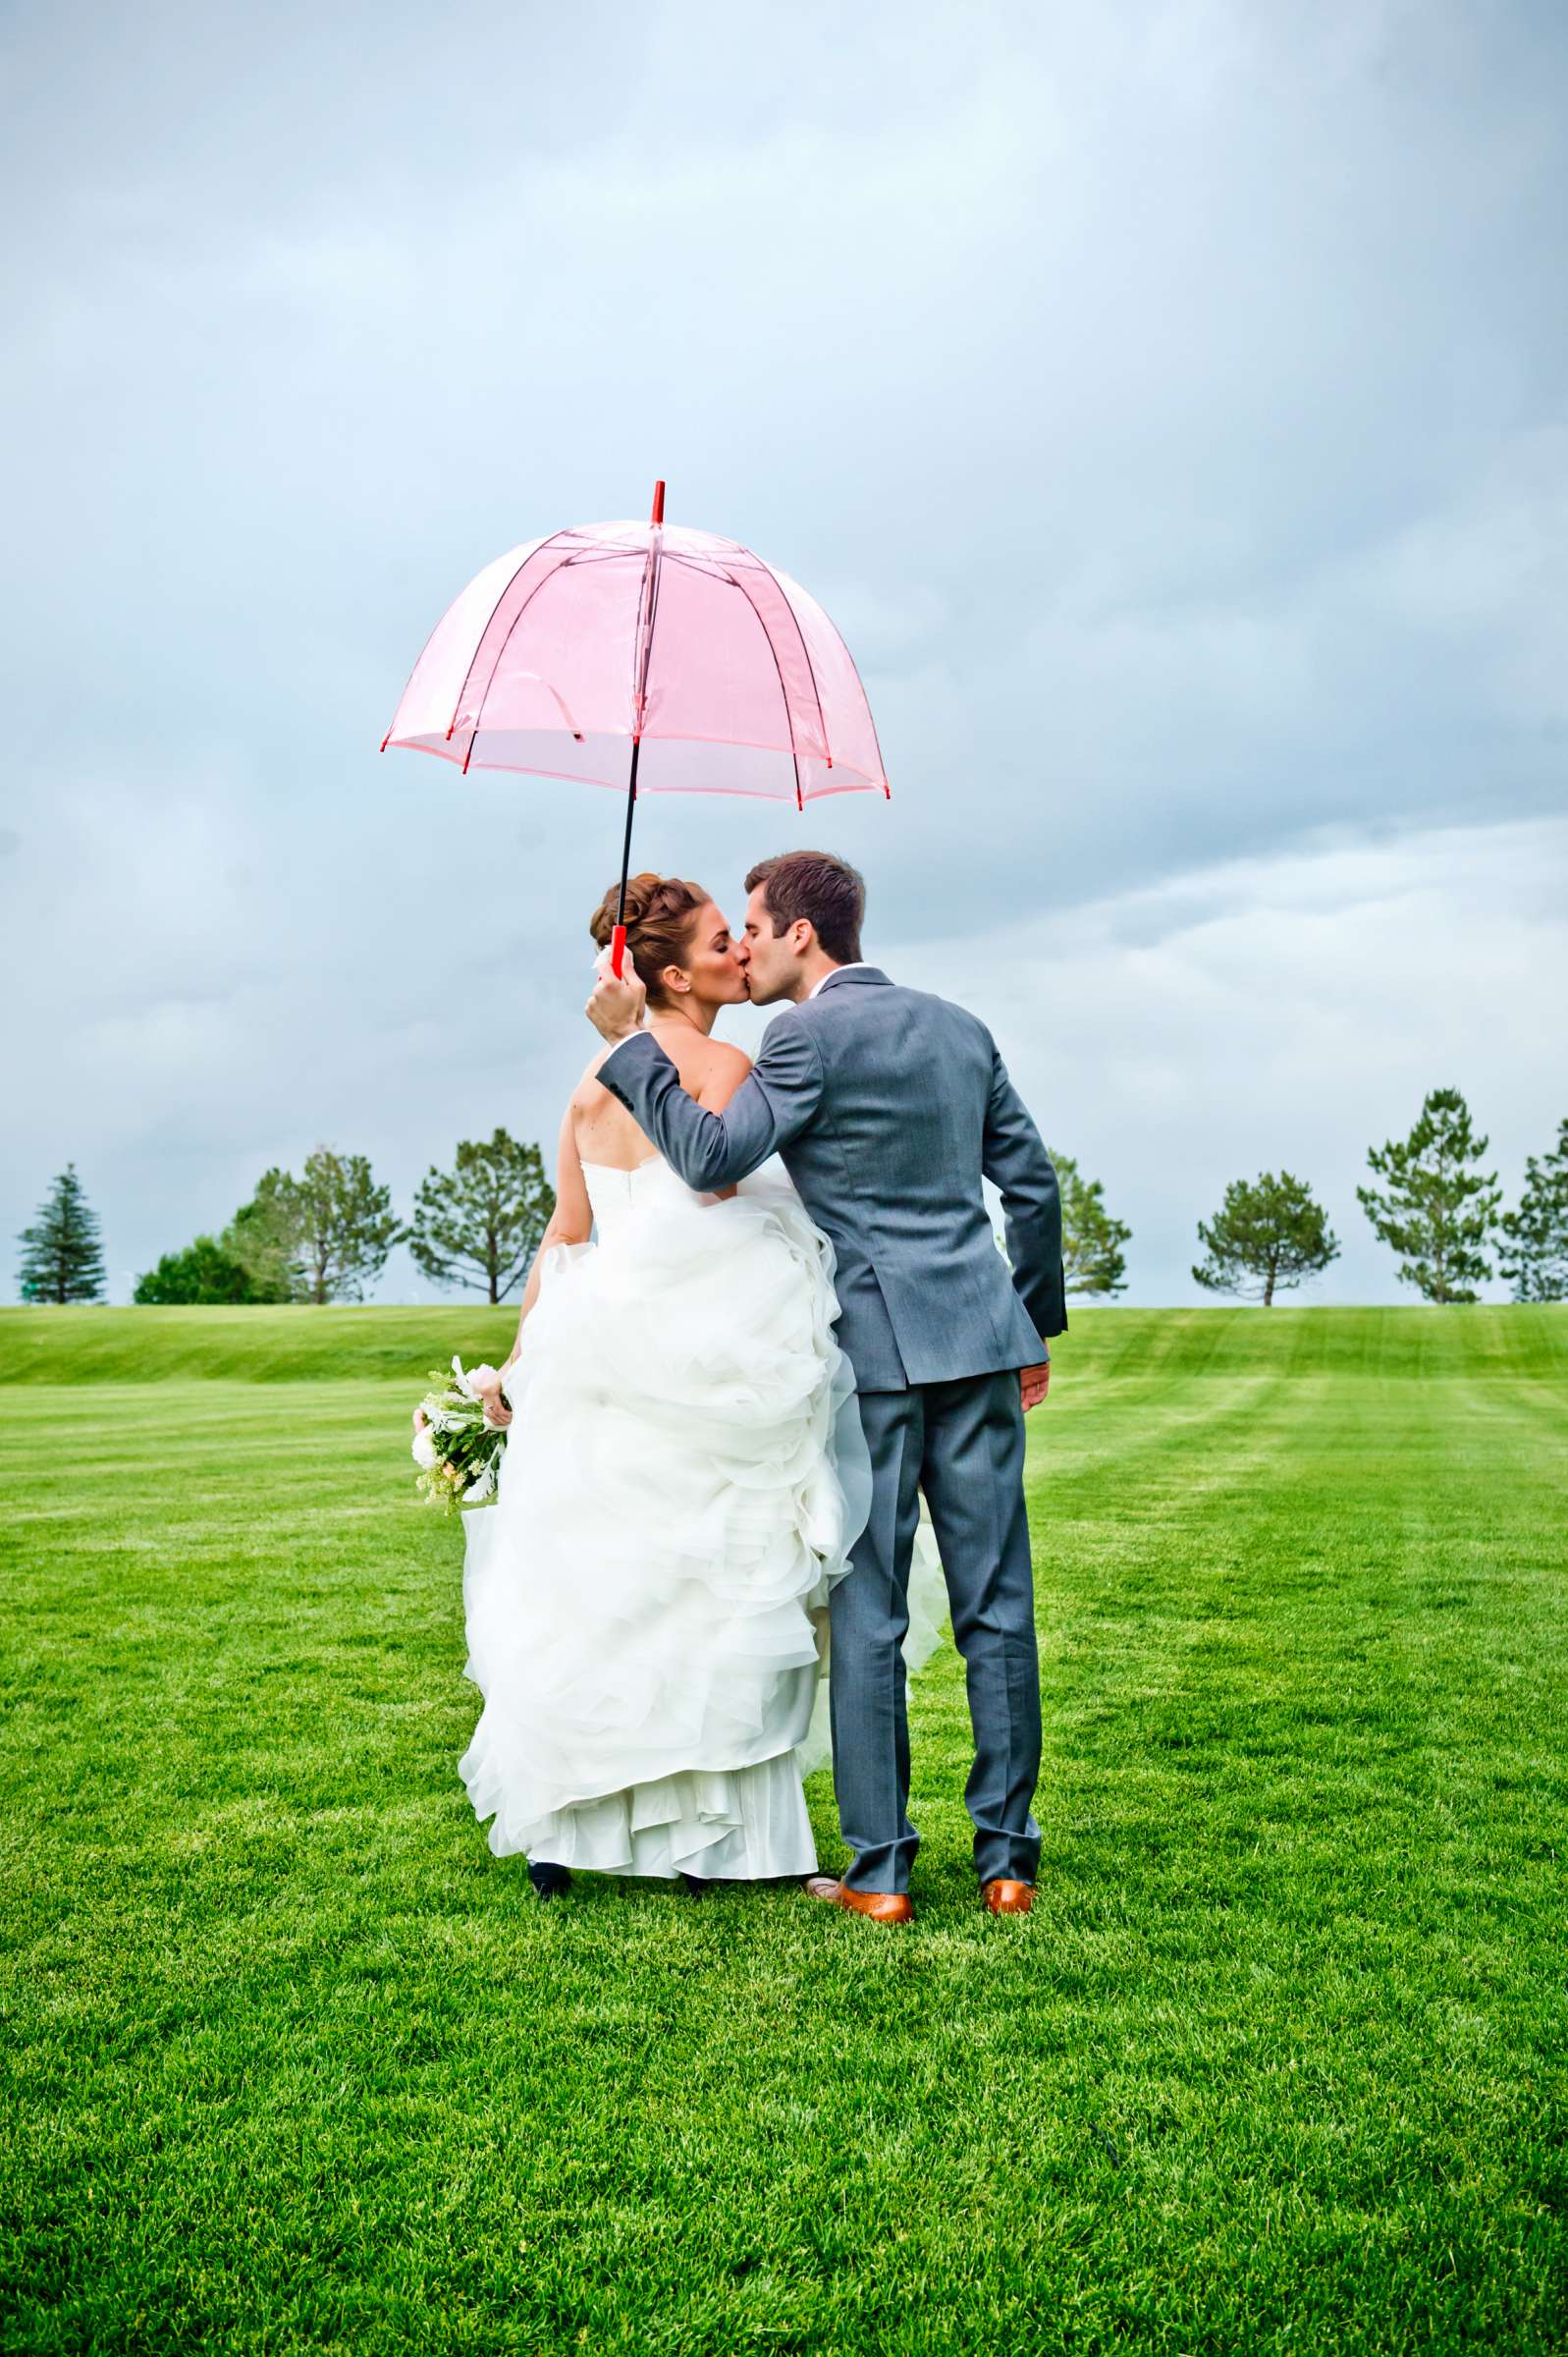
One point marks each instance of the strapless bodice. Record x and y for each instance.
(615, 1194)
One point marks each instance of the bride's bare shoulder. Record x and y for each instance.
(710, 1070)
(716, 1057)
(590, 1103)
(599, 1056)
(701, 1063)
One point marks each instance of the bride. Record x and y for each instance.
(683, 1479)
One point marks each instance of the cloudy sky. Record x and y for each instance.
(1168, 398)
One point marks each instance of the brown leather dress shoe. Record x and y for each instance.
(877, 1906)
(1008, 1899)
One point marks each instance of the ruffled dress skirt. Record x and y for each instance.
(682, 1482)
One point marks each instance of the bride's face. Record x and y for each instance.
(712, 965)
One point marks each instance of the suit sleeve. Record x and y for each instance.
(1016, 1161)
(714, 1150)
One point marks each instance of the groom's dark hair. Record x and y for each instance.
(827, 892)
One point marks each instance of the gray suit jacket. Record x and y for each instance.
(887, 1106)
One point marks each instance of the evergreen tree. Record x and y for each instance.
(201, 1275)
(62, 1259)
(266, 1237)
(1094, 1259)
(1268, 1235)
(347, 1226)
(1534, 1254)
(479, 1224)
(1437, 1208)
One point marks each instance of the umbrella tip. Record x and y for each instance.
(658, 514)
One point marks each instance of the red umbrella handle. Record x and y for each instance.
(617, 950)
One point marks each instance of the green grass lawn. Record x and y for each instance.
(1276, 2063)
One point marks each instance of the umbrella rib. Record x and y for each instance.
(408, 682)
(783, 693)
(709, 565)
(494, 611)
(496, 666)
(811, 668)
(886, 789)
(723, 574)
(653, 567)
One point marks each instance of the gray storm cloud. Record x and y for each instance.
(1167, 402)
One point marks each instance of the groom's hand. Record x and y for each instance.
(1034, 1383)
(616, 1009)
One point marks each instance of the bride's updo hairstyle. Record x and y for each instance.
(661, 911)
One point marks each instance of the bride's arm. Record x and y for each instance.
(571, 1223)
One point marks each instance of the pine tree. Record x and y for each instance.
(1534, 1254)
(1268, 1235)
(1094, 1260)
(1439, 1209)
(479, 1224)
(62, 1259)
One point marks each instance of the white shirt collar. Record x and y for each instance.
(856, 965)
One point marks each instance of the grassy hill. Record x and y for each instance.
(292, 2063)
(302, 1345)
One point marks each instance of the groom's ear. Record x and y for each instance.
(802, 933)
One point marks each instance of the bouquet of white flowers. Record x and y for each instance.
(458, 1453)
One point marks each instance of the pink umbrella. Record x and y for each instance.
(723, 673)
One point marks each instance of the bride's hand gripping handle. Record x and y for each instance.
(617, 1002)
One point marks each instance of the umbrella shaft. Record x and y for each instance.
(648, 607)
(620, 945)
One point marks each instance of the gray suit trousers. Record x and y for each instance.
(963, 1444)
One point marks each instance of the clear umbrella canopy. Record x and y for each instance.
(726, 674)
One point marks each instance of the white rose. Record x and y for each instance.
(424, 1452)
(485, 1380)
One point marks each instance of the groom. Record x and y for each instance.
(887, 1106)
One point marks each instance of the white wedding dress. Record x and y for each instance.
(682, 1482)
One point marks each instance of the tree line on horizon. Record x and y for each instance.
(325, 1235)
